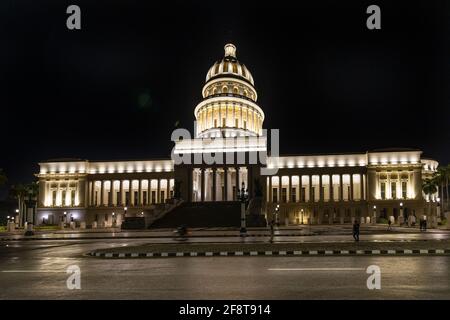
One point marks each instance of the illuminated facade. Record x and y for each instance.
(317, 189)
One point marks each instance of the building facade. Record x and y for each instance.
(229, 150)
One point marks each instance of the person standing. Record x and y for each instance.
(389, 224)
(356, 230)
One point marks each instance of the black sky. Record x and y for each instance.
(114, 89)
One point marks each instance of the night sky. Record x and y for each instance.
(115, 88)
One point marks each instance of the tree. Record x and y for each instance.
(440, 177)
(32, 190)
(18, 192)
(429, 187)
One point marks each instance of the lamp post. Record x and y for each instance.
(125, 212)
(242, 195)
(401, 214)
(374, 218)
(113, 219)
(301, 211)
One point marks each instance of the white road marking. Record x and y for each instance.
(33, 271)
(316, 269)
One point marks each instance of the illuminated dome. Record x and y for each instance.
(229, 66)
(229, 100)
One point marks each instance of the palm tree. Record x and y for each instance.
(19, 192)
(3, 178)
(447, 181)
(441, 177)
(429, 187)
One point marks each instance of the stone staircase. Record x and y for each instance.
(201, 215)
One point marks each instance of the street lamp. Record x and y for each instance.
(374, 218)
(242, 195)
(125, 211)
(114, 219)
(302, 214)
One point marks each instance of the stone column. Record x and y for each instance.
(321, 194)
(92, 193)
(310, 189)
(158, 191)
(102, 192)
(120, 200)
(300, 187)
(168, 189)
(330, 177)
(130, 192)
(202, 183)
(140, 192)
(280, 186)
(111, 193)
(350, 197)
(149, 192)
(289, 194)
(237, 182)
(214, 182)
(225, 176)
(270, 189)
(361, 186)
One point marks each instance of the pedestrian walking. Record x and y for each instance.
(272, 225)
(424, 224)
(356, 230)
(389, 224)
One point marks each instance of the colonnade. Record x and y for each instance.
(316, 188)
(218, 184)
(130, 192)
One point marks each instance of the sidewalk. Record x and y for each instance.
(275, 249)
(291, 231)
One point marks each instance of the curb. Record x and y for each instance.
(159, 237)
(269, 253)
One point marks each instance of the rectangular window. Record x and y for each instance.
(63, 200)
(144, 198)
(394, 190)
(274, 195)
(313, 192)
(96, 198)
(54, 198)
(72, 198)
(245, 125)
(224, 122)
(163, 198)
(119, 201)
(127, 198)
(237, 123)
(283, 195)
(215, 123)
(294, 194)
(136, 198)
(404, 189)
(153, 197)
(383, 190)
(303, 194)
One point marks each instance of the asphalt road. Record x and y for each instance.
(37, 270)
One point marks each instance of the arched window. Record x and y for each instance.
(235, 90)
(214, 91)
(225, 90)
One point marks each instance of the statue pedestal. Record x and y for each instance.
(256, 220)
